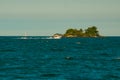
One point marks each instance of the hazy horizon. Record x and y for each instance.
(46, 17)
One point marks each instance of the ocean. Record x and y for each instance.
(44, 58)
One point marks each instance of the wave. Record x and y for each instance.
(40, 37)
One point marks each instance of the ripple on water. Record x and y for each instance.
(64, 59)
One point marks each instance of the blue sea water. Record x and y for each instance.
(42, 58)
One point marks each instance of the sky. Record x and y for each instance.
(47, 17)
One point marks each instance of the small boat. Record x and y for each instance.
(24, 37)
(57, 36)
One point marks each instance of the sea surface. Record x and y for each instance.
(44, 58)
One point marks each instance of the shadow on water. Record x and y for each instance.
(7, 50)
(49, 75)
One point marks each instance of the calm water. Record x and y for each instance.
(41, 58)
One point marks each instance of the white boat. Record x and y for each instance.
(57, 36)
(24, 37)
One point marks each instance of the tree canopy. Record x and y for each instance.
(89, 32)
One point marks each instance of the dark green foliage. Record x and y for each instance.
(74, 33)
(89, 32)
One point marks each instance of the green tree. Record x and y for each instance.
(71, 32)
(91, 32)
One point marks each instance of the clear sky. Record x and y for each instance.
(46, 17)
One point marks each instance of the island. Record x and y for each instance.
(89, 32)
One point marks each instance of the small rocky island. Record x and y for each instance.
(89, 32)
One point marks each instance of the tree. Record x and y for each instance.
(91, 32)
(71, 32)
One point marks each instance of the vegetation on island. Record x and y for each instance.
(89, 32)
